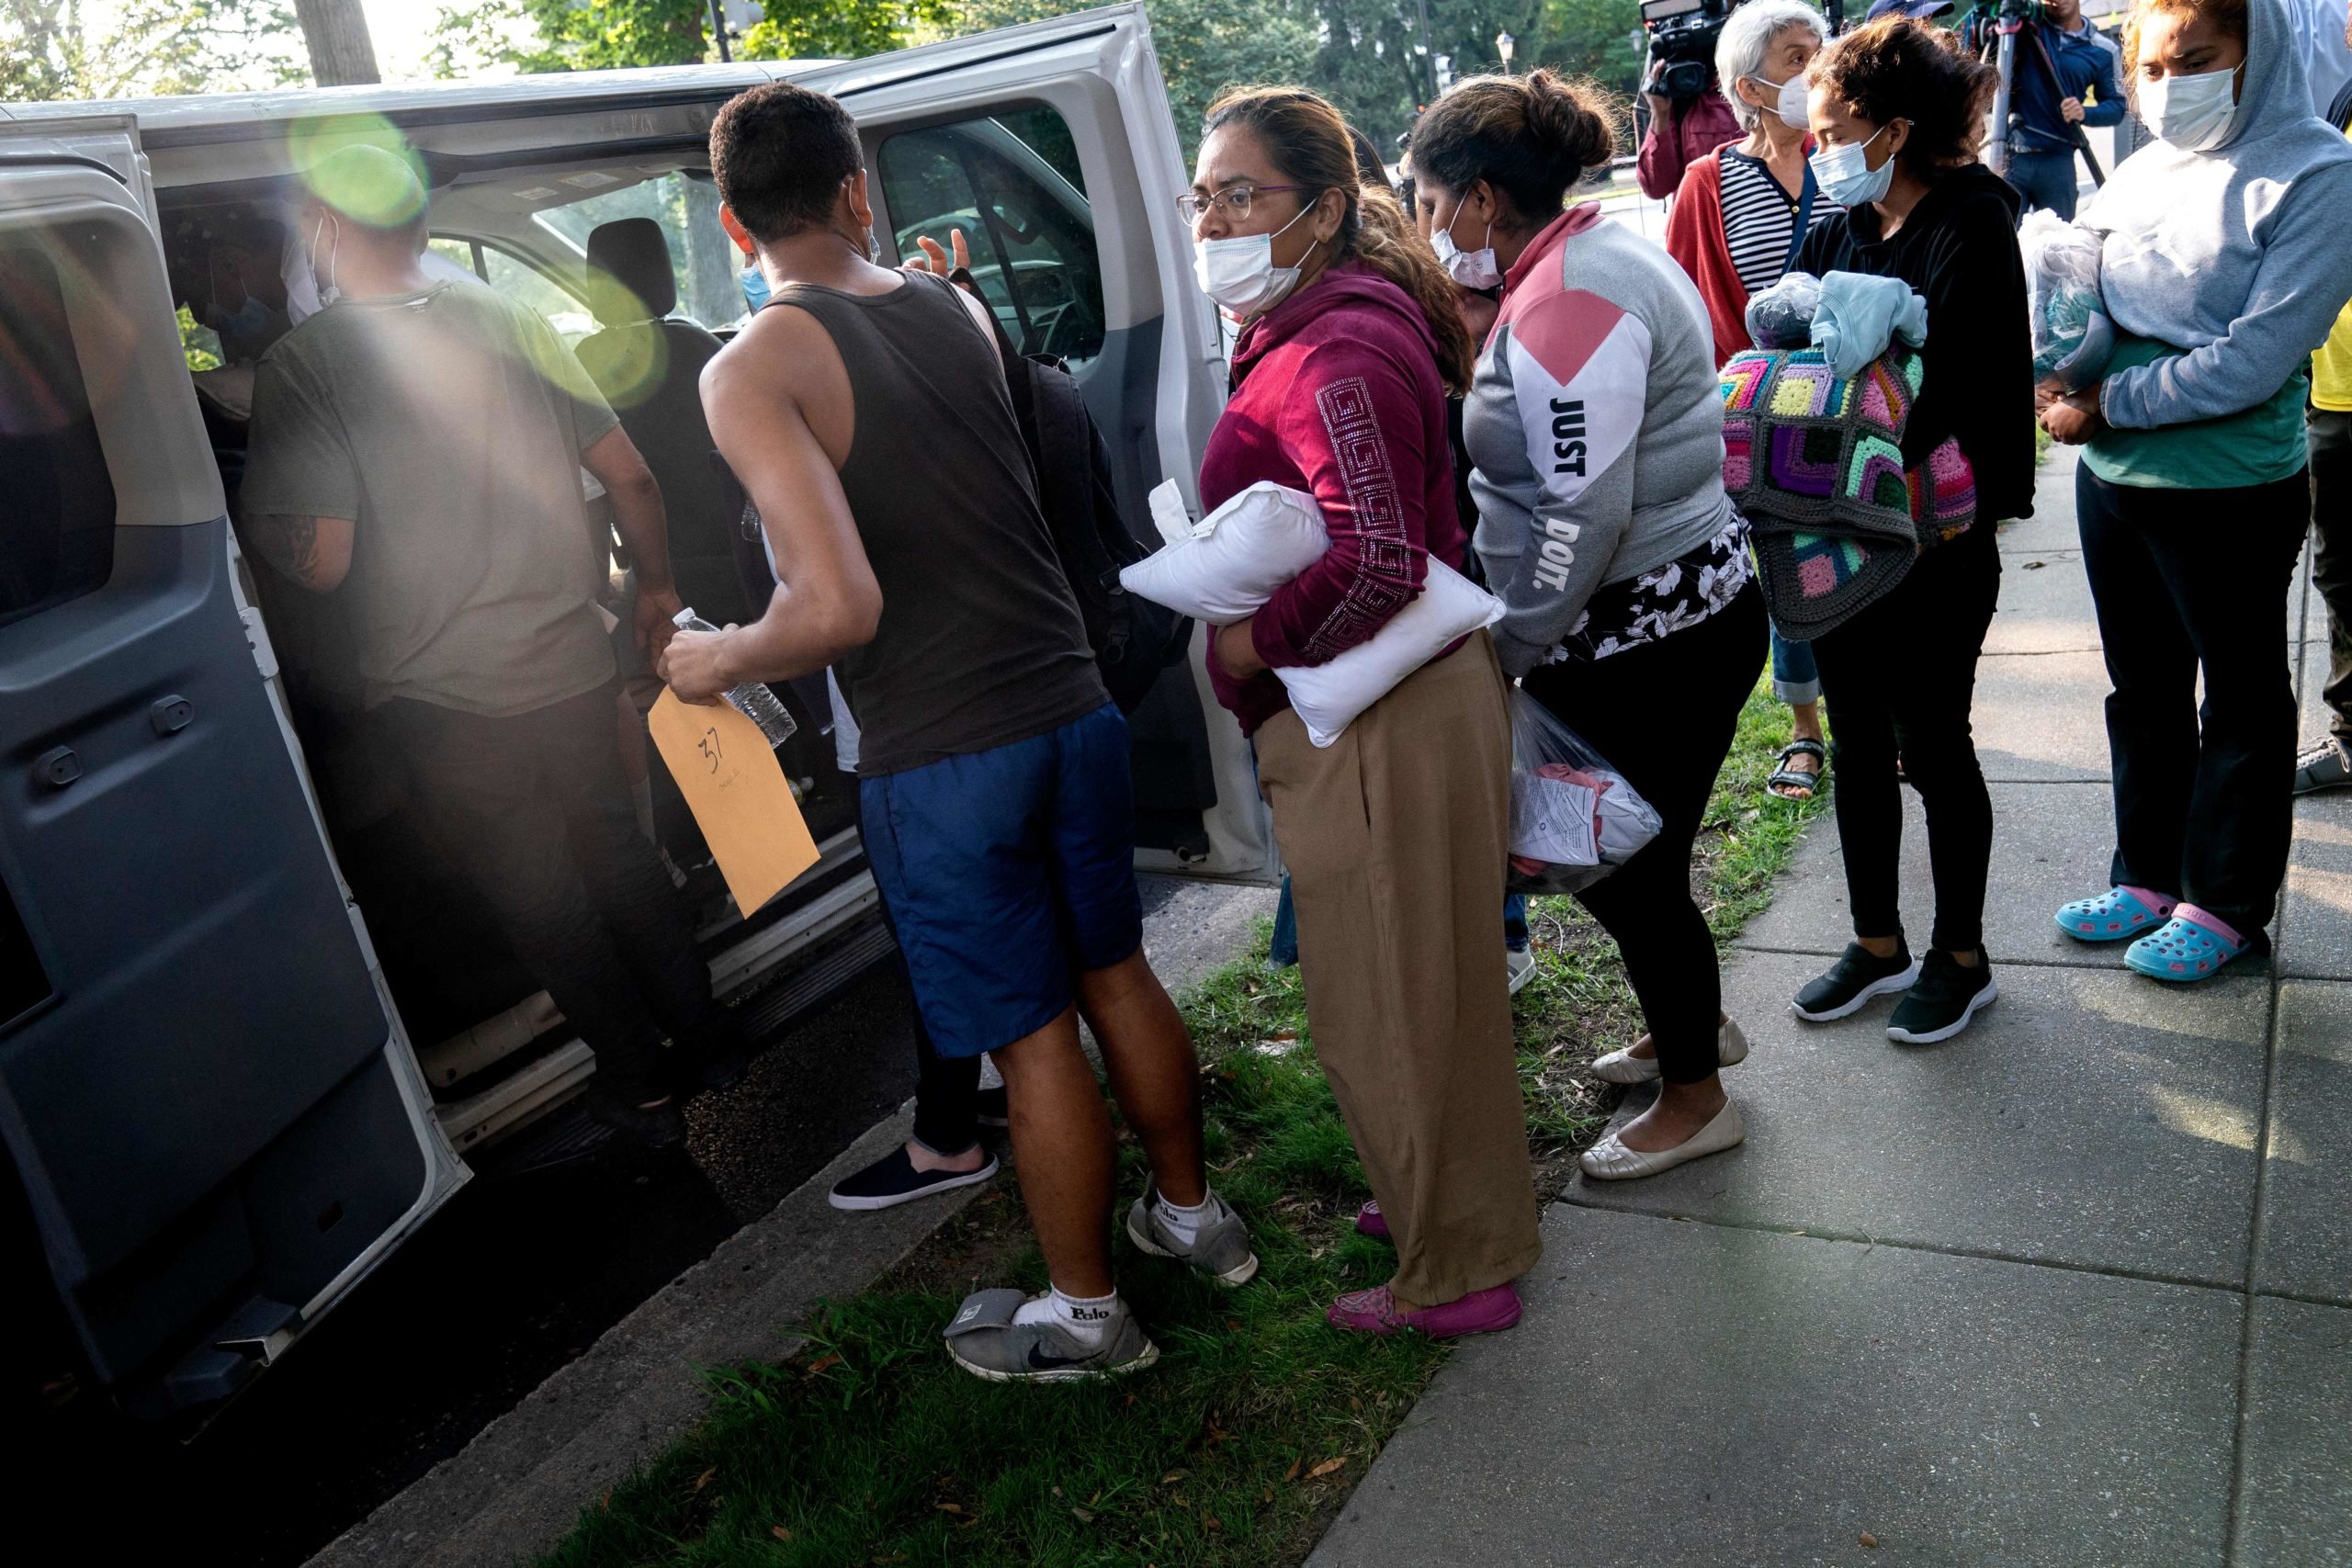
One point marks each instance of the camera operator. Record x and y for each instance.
(1689, 116)
(2046, 101)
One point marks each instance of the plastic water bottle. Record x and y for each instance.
(751, 699)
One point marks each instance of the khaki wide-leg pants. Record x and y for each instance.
(1396, 836)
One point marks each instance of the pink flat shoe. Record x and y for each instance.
(1372, 1222)
(1374, 1312)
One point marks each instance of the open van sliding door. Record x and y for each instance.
(1052, 147)
(217, 1123)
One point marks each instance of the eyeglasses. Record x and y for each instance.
(1233, 201)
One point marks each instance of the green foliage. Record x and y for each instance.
(533, 36)
(1205, 46)
(1360, 53)
(593, 35)
(1599, 38)
(51, 49)
(848, 29)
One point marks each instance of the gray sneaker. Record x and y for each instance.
(987, 1343)
(1220, 1251)
(2322, 765)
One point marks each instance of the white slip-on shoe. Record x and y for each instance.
(1519, 966)
(1610, 1160)
(1623, 1066)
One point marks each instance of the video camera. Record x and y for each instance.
(1682, 41)
(1682, 44)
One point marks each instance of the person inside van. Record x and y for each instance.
(415, 451)
(865, 411)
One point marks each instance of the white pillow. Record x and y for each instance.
(1233, 560)
(1329, 696)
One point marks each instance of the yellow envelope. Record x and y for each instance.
(730, 778)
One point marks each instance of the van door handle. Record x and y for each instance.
(58, 767)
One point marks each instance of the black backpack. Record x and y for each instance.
(1134, 639)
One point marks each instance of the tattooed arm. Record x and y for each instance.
(313, 551)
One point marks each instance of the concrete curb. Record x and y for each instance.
(514, 1491)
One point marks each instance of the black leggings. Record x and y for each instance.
(1898, 679)
(2184, 579)
(1664, 714)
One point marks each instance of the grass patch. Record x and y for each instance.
(868, 1447)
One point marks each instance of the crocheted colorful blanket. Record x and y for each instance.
(1815, 464)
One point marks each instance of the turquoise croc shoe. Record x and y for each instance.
(2115, 915)
(2191, 946)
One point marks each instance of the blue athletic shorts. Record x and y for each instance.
(1008, 874)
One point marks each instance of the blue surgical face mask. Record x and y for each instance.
(1844, 174)
(755, 287)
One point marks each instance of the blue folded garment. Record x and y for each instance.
(1859, 317)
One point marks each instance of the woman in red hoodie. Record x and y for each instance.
(1396, 834)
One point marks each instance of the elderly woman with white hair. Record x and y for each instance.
(1745, 209)
(1737, 223)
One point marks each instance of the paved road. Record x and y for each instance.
(2073, 1288)
(515, 1278)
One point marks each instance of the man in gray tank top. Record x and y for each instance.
(864, 411)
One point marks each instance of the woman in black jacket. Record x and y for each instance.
(1895, 118)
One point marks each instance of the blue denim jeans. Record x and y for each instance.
(2046, 179)
(1794, 680)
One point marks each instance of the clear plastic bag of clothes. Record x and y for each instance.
(1574, 819)
(1781, 316)
(2072, 334)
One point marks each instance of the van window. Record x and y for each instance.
(57, 509)
(526, 285)
(1010, 182)
(706, 264)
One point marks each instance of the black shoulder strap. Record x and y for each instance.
(2339, 111)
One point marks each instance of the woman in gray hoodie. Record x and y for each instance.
(2223, 262)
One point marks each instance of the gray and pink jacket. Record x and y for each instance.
(1595, 425)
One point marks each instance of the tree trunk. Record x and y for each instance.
(336, 32)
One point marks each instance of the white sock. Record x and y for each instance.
(1186, 1223)
(1084, 1318)
(989, 1077)
(640, 794)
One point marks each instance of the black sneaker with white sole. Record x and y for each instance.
(1944, 997)
(893, 1180)
(1856, 976)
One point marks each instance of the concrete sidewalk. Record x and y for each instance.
(2073, 1288)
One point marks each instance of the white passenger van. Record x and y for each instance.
(251, 1024)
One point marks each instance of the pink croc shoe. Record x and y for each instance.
(1372, 1222)
(1374, 1312)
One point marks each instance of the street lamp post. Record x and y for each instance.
(1421, 48)
(1504, 45)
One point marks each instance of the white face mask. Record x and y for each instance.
(1471, 269)
(1794, 101)
(2193, 113)
(1845, 175)
(1239, 274)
